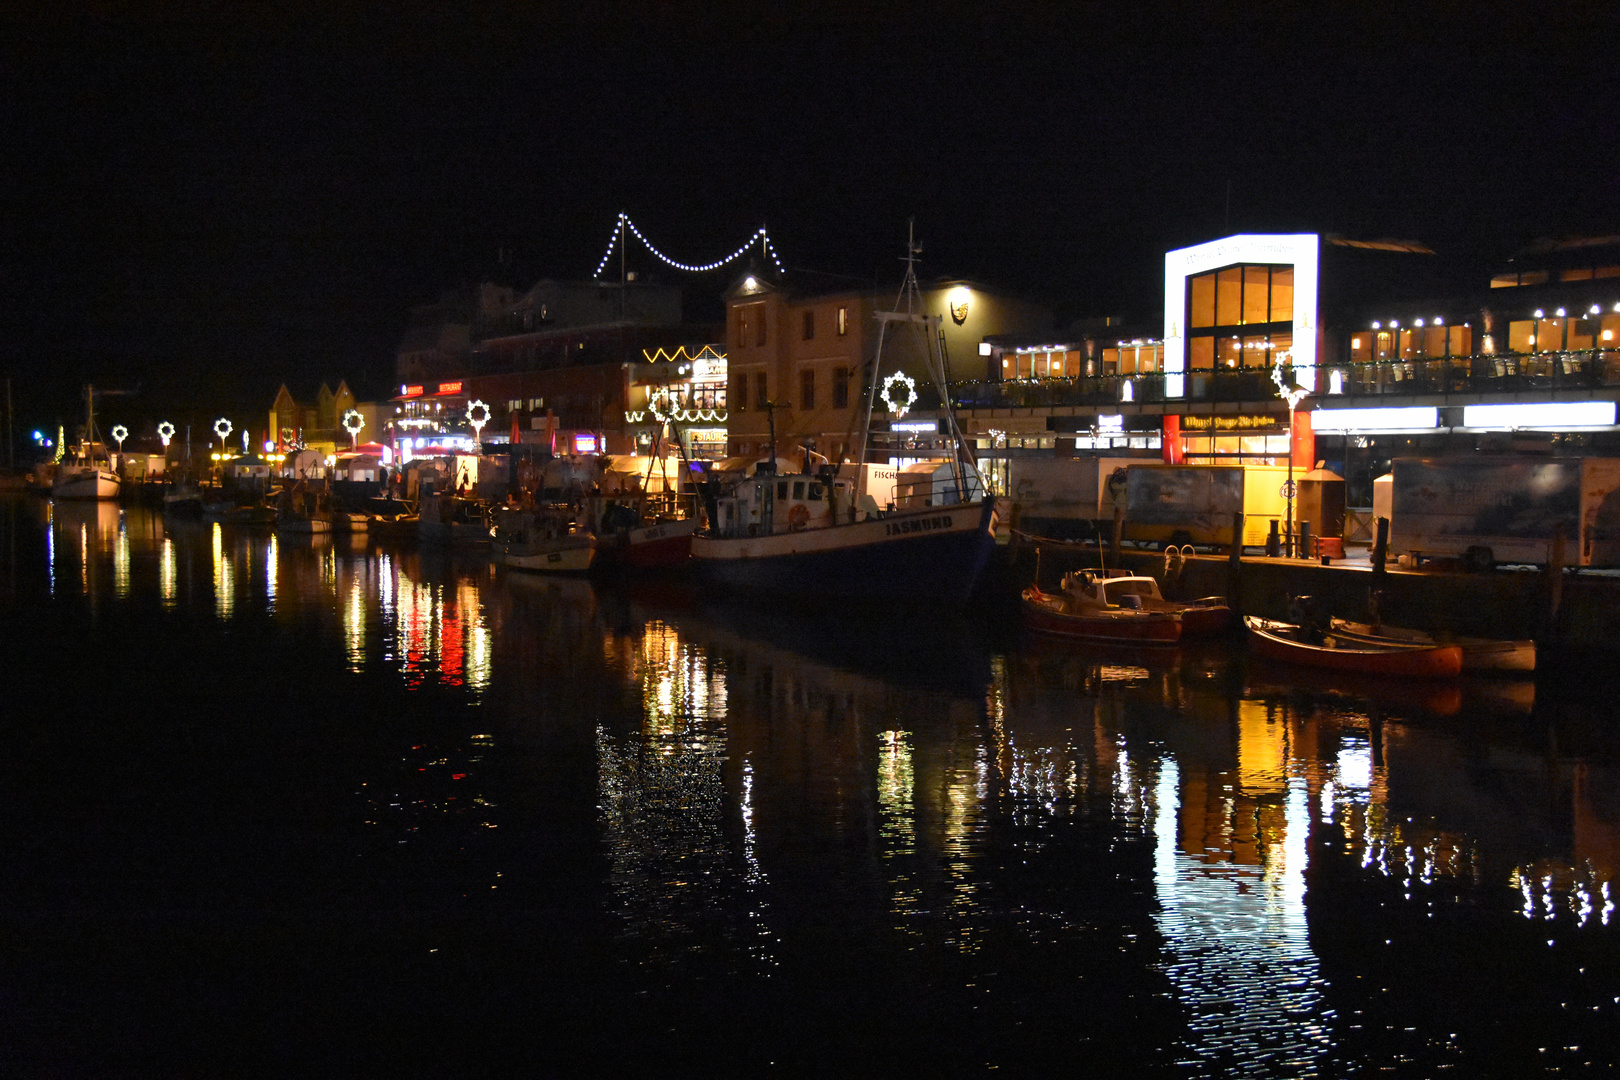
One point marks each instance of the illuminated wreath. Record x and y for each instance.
(165, 432)
(660, 405)
(478, 413)
(119, 433)
(898, 409)
(222, 428)
(353, 422)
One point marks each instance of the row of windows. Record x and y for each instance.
(1541, 277)
(1257, 352)
(1239, 296)
(751, 324)
(807, 389)
(1074, 363)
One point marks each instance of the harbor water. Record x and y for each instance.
(281, 806)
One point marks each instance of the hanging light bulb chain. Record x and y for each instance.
(624, 222)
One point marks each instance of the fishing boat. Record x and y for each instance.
(88, 472)
(1486, 655)
(1106, 590)
(542, 539)
(1304, 644)
(646, 545)
(1081, 618)
(811, 531)
(302, 511)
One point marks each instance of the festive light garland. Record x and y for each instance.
(624, 222)
(353, 417)
(680, 416)
(899, 408)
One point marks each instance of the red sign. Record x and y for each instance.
(410, 391)
(450, 388)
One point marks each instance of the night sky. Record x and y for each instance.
(204, 203)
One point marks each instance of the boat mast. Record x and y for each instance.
(910, 298)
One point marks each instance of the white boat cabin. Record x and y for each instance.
(766, 503)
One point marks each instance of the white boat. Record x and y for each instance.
(543, 540)
(87, 474)
(815, 534)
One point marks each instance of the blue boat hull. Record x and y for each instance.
(932, 556)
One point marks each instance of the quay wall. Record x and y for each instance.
(1501, 603)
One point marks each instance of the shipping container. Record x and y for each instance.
(1067, 498)
(1506, 510)
(1194, 504)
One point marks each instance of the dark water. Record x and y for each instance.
(274, 808)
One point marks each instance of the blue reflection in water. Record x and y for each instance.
(1238, 949)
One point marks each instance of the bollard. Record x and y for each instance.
(1303, 551)
(1273, 541)
(1234, 567)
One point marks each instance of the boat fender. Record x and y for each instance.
(798, 517)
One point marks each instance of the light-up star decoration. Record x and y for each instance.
(222, 428)
(353, 423)
(165, 432)
(896, 406)
(478, 415)
(119, 433)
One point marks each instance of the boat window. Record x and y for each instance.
(1129, 587)
(781, 489)
(798, 489)
(815, 493)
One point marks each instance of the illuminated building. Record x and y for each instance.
(1525, 364)
(800, 347)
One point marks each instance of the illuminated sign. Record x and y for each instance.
(1416, 418)
(410, 391)
(915, 425)
(585, 443)
(450, 388)
(1299, 250)
(1111, 425)
(1548, 415)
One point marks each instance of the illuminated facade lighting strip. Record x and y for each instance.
(1551, 415)
(1299, 250)
(624, 222)
(1343, 421)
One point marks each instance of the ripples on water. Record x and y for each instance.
(284, 805)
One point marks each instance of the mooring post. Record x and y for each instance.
(1555, 585)
(1234, 567)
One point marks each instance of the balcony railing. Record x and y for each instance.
(1492, 373)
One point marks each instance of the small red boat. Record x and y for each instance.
(1071, 616)
(1293, 644)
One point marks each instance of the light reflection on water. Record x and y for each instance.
(745, 787)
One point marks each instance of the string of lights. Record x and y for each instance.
(759, 235)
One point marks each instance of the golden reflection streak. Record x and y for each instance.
(224, 580)
(272, 569)
(354, 627)
(121, 558)
(166, 573)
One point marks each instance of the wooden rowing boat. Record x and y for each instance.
(1290, 643)
(1479, 654)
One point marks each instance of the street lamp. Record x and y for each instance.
(119, 433)
(165, 433)
(1292, 393)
